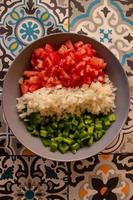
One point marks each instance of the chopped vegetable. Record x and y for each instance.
(72, 65)
(70, 132)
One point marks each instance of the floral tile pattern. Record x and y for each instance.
(27, 21)
(102, 177)
(35, 178)
(104, 22)
(25, 176)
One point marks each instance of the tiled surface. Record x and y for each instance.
(102, 177)
(32, 178)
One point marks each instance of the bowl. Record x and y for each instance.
(11, 91)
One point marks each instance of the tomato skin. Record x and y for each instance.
(72, 65)
(40, 53)
(24, 87)
(34, 87)
(69, 45)
(78, 44)
(30, 73)
(97, 62)
(48, 48)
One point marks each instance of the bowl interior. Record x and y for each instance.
(11, 91)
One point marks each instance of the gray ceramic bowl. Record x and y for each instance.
(11, 91)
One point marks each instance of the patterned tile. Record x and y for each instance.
(109, 23)
(29, 20)
(104, 22)
(125, 5)
(25, 178)
(102, 177)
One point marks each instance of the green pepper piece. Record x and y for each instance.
(59, 139)
(83, 134)
(99, 134)
(54, 125)
(67, 126)
(46, 142)
(88, 121)
(53, 146)
(49, 129)
(112, 117)
(106, 124)
(75, 122)
(43, 133)
(68, 141)
(63, 148)
(75, 147)
(90, 130)
(90, 142)
(95, 135)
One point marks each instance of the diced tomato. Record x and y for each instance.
(30, 73)
(101, 79)
(72, 65)
(39, 64)
(24, 88)
(81, 51)
(34, 87)
(63, 75)
(40, 53)
(63, 50)
(78, 44)
(69, 45)
(47, 63)
(80, 66)
(34, 80)
(48, 48)
(97, 62)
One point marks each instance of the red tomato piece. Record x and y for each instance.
(34, 87)
(63, 50)
(97, 62)
(40, 53)
(48, 48)
(30, 73)
(39, 64)
(24, 87)
(69, 45)
(78, 44)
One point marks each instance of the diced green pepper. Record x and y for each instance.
(88, 121)
(90, 142)
(54, 125)
(75, 122)
(112, 117)
(99, 134)
(43, 133)
(50, 130)
(53, 146)
(68, 141)
(90, 130)
(63, 148)
(46, 142)
(98, 125)
(59, 139)
(75, 147)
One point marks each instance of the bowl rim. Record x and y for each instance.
(99, 149)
